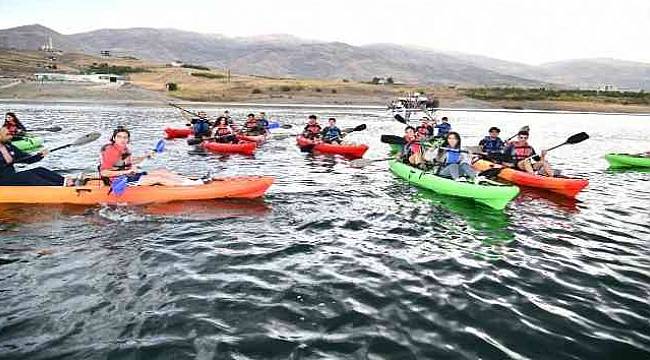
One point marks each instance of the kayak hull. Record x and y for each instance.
(245, 148)
(627, 161)
(244, 187)
(494, 196)
(28, 143)
(259, 139)
(177, 133)
(566, 186)
(351, 151)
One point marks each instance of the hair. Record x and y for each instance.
(119, 129)
(446, 144)
(494, 128)
(444, 118)
(409, 128)
(222, 119)
(312, 117)
(13, 115)
(330, 119)
(251, 114)
(523, 132)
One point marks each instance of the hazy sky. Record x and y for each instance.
(529, 31)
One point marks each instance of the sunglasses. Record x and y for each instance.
(524, 137)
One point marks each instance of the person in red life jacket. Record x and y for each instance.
(523, 157)
(412, 151)
(116, 160)
(15, 127)
(312, 130)
(222, 132)
(425, 130)
(10, 155)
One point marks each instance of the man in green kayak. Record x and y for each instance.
(10, 155)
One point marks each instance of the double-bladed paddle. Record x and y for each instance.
(119, 184)
(83, 140)
(310, 147)
(51, 129)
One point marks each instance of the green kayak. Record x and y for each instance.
(28, 143)
(395, 148)
(492, 195)
(627, 160)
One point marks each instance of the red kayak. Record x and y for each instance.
(174, 133)
(246, 148)
(252, 138)
(562, 185)
(348, 150)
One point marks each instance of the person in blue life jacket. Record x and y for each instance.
(454, 163)
(10, 155)
(443, 128)
(262, 121)
(201, 125)
(492, 145)
(331, 133)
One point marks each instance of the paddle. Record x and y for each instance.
(119, 185)
(83, 140)
(393, 139)
(359, 163)
(52, 129)
(310, 147)
(401, 119)
(187, 111)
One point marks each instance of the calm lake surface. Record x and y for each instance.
(335, 262)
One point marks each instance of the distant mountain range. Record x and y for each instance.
(285, 55)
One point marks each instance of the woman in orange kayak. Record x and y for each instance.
(223, 133)
(116, 160)
(524, 158)
(10, 155)
(15, 127)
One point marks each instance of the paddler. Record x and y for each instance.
(443, 128)
(412, 151)
(331, 133)
(15, 127)
(252, 127)
(10, 155)
(262, 122)
(223, 133)
(492, 145)
(200, 124)
(116, 160)
(455, 164)
(425, 130)
(522, 156)
(312, 130)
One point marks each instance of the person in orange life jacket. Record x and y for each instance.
(252, 126)
(10, 155)
(425, 130)
(312, 129)
(492, 145)
(454, 163)
(116, 160)
(443, 128)
(331, 133)
(222, 132)
(412, 150)
(520, 153)
(15, 127)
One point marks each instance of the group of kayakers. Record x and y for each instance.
(223, 129)
(329, 134)
(443, 154)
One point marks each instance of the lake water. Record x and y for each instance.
(335, 262)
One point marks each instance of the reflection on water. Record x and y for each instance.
(335, 262)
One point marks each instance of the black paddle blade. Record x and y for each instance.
(577, 138)
(88, 138)
(194, 141)
(360, 127)
(490, 173)
(393, 139)
(286, 126)
(54, 129)
(401, 119)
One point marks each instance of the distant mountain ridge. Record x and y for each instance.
(287, 55)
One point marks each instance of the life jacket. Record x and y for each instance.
(332, 132)
(412, 146)
(520, 152)
(114, 158)
(443, 129)
(313, 129)
(423, 130)
(223, 131)
(452, 157)
(263, 123)
(491, 145)
(201, 126)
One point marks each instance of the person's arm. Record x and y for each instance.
(21, 157)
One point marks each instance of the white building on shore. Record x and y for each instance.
(92, 78)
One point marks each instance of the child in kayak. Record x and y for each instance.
(116, 160)
(522, 156)
(412, 151)
(10, 155)
(331, 133)
(492, 145)
(312, 130)
(15, 127)
(454, 162)
(222, 132)
(443, 128)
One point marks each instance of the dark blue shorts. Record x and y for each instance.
(134, 178)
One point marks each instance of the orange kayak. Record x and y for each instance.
(246, 148)
(243, 187)
(562, 185)
(348, 150)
